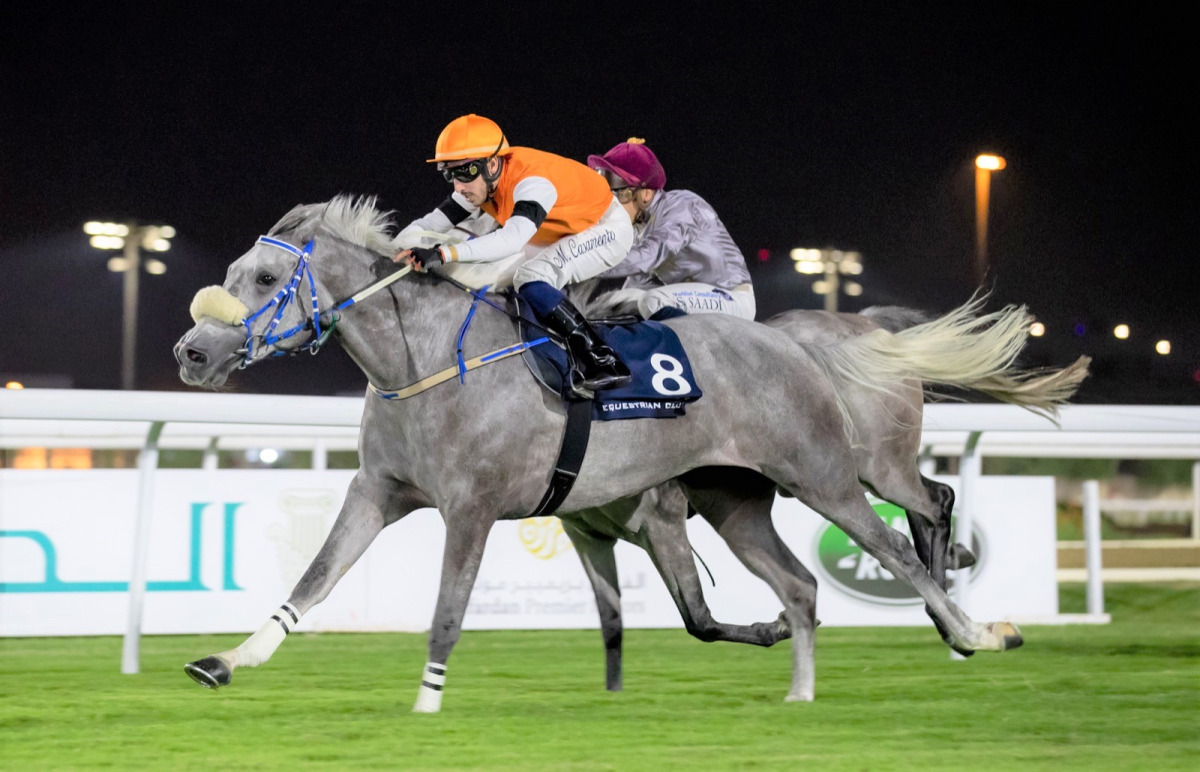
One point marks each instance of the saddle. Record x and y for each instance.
(662, 384)
(661, 387)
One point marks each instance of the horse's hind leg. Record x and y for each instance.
(743, 520)
(890, 470)
(845, 505)
(928, 506)
(361, 519)
(665, 539)
(926, 503)
(599, 563)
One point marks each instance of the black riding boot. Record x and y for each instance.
(599, 365)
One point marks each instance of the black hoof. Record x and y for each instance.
(1013, 642)
(210, 672)
(961, 557)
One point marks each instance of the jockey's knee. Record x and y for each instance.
(654, 301)
(539, 270)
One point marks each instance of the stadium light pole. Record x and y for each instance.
(131, 239)
(985, 165)
(833, 264)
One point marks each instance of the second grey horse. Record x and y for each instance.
(887, 430)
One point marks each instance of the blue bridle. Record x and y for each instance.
(283, 299)
(302, 272)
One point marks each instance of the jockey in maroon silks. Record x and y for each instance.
(682, 256)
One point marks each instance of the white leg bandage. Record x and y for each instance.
(429, 698)
(259, 647)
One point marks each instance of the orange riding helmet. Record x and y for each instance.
(469, 137)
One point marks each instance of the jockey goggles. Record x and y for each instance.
(465, 172)
(468, 171)
(619, 187)
(616, 183)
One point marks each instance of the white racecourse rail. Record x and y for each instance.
(274, 520)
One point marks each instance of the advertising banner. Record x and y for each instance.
(227, 547)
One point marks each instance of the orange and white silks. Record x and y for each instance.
(583, 195)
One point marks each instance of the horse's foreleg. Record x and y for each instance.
(466, 535)
(600, 564)
(359, 522)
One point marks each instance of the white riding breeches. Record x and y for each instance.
(692, 297)
(582, 255)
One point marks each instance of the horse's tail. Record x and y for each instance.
(896, 318)
(962, 349)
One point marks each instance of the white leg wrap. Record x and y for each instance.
(429, 698)
(259, 647)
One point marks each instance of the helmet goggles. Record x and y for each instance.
(467, 171)
(619, 186)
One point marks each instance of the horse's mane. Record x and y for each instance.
(352, 218)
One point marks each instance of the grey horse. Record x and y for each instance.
(887, 425)
(483, 451)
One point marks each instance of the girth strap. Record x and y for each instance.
(570, 457)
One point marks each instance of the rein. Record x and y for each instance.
(303, 272)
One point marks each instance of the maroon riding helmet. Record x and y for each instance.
(632, 163)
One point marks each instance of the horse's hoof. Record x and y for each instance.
(428, 700)
(1010, 637)
(798, 698)
(210, 672)
(961, 557)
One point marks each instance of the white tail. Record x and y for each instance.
(961, 349)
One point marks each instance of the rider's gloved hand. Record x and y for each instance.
(424, 258)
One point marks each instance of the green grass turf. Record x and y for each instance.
(1122, 696)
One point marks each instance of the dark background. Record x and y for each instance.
(834, 125)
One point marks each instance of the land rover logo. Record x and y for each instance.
(854, 572)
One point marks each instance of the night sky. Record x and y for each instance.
(838, 125)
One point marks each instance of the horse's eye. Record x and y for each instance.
(266, 279)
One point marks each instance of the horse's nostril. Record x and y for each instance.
(196, 357)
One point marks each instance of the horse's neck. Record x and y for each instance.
(407, 332)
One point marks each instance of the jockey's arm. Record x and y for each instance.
(670, 232)
(534, 196)
(449, 213)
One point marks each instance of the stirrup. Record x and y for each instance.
(603, 376)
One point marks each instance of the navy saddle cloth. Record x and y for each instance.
(662, 383)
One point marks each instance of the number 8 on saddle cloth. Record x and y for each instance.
(662, 384)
